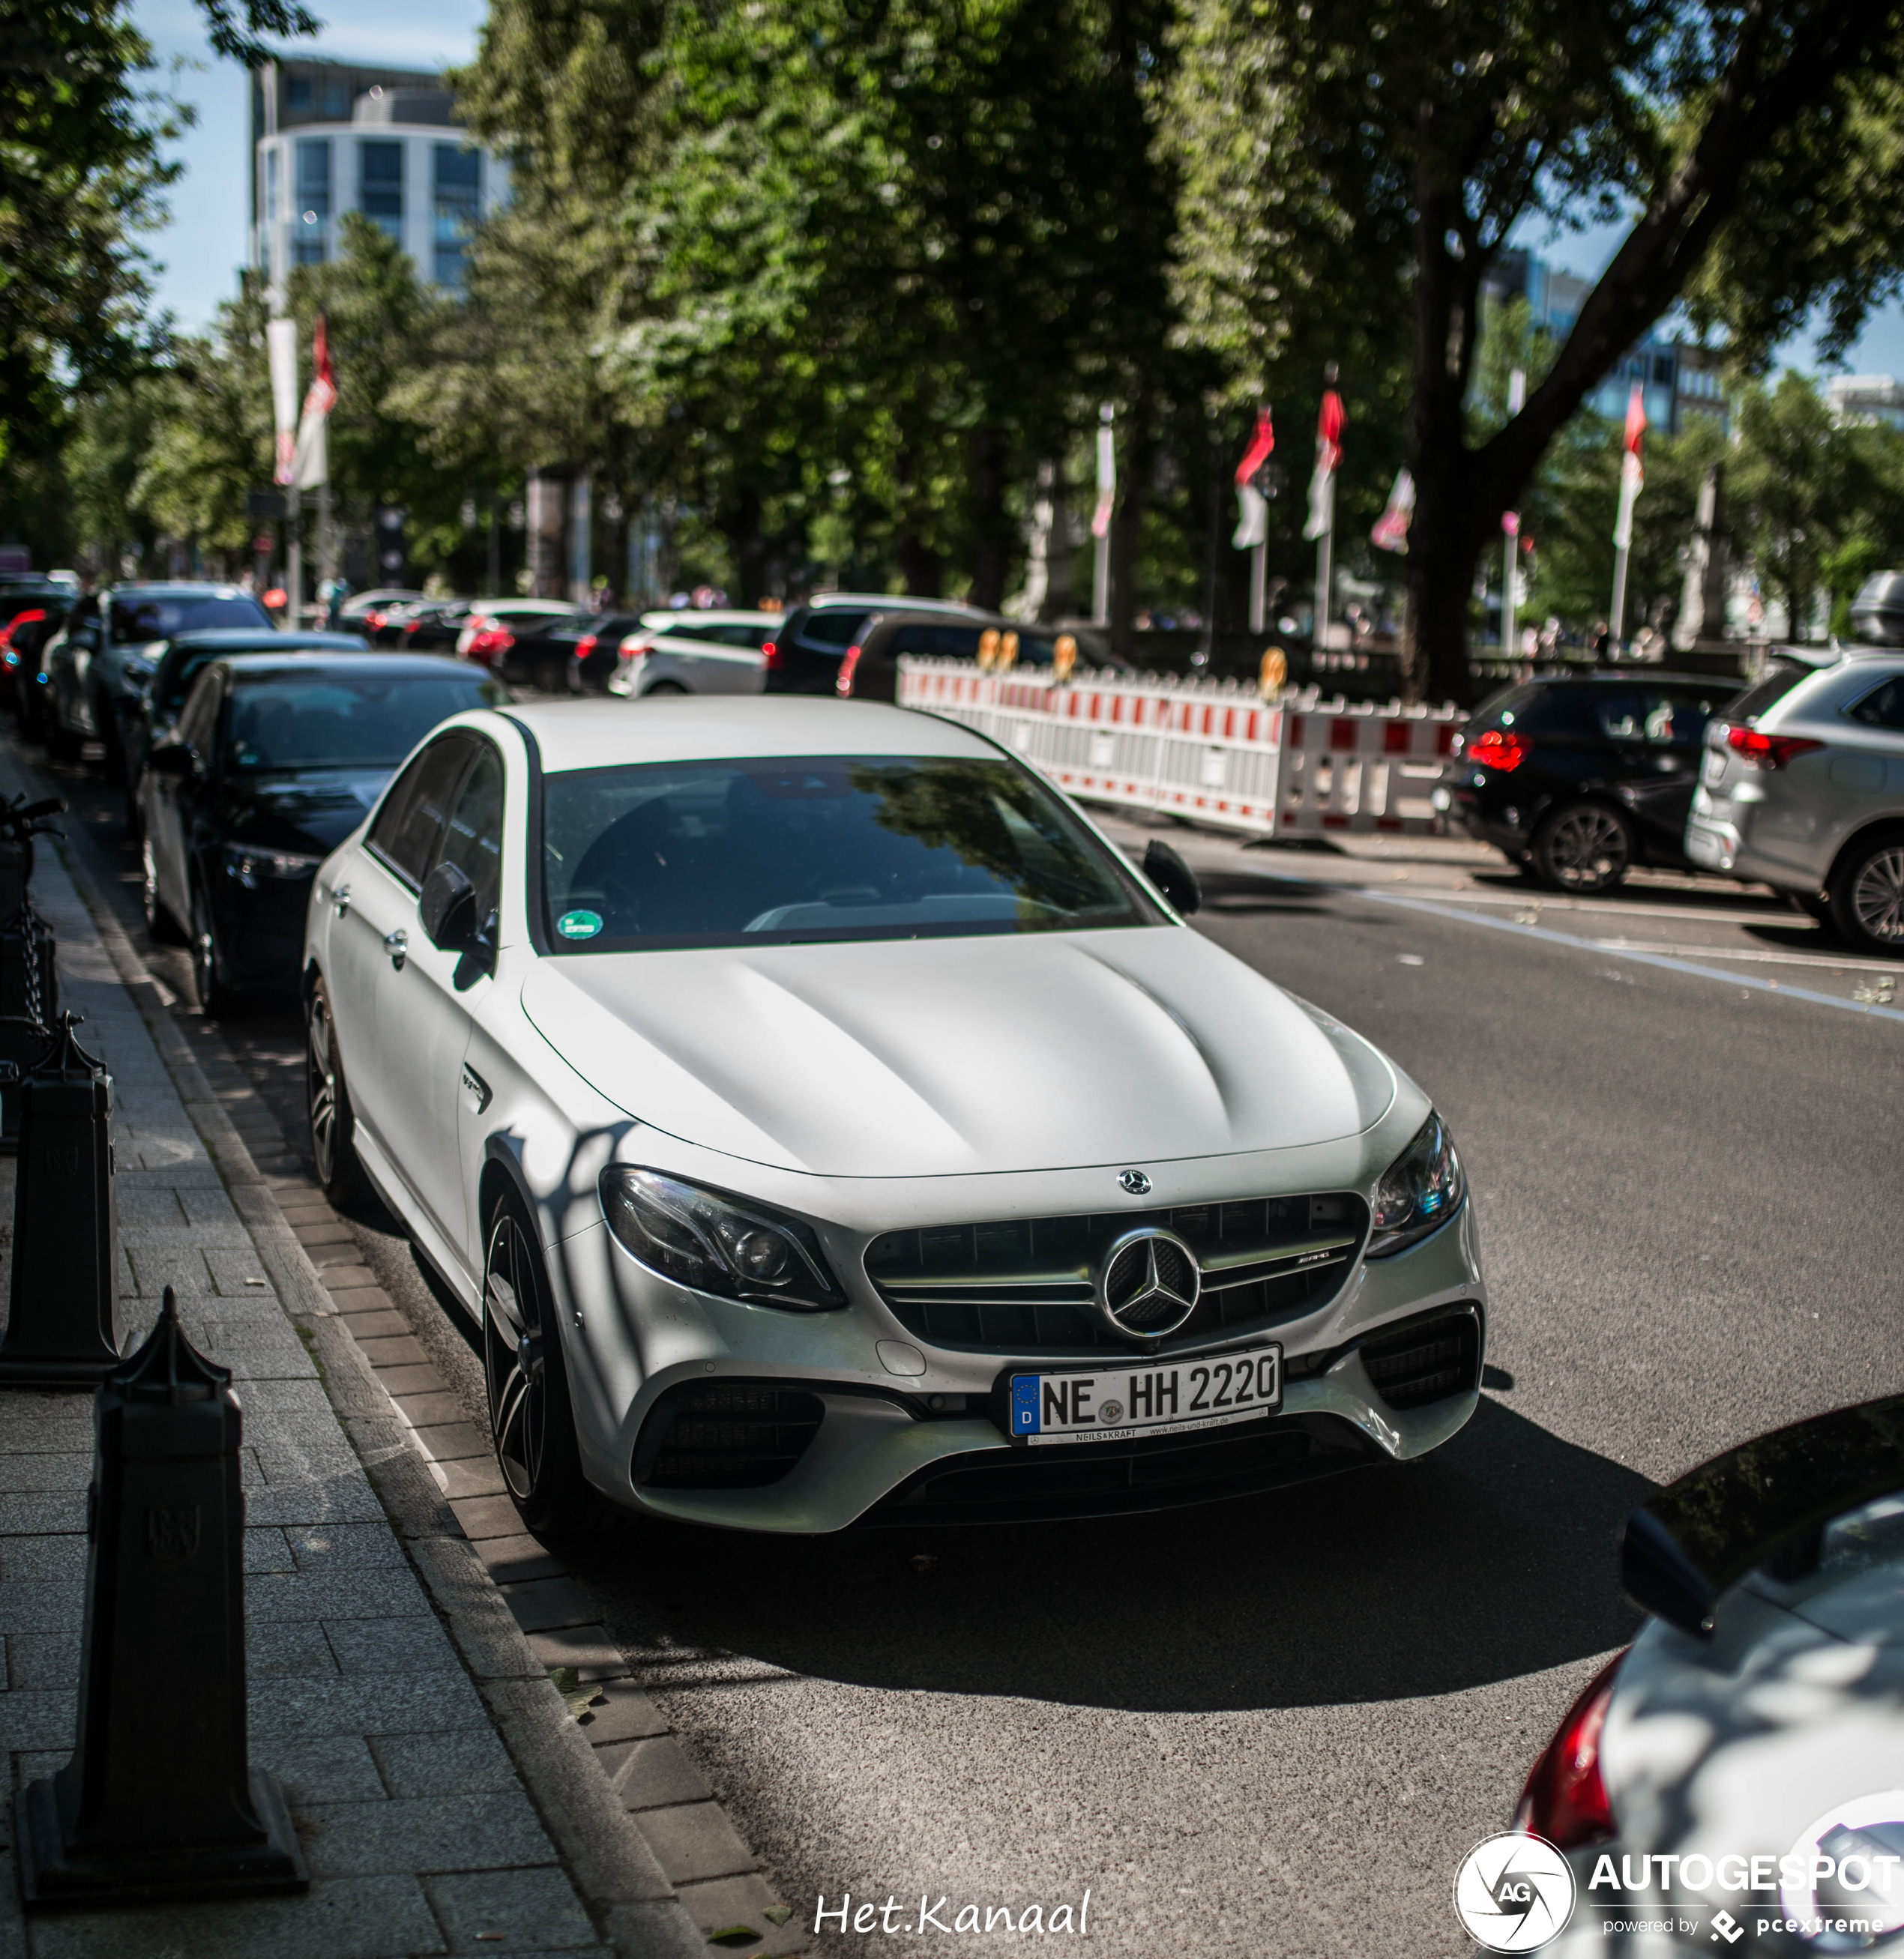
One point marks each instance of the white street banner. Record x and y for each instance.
(280, 340)
(311, 462)
(1252, 507)
(1391, 530)
(1322, 485)
(1107, 481)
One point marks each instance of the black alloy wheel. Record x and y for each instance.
(327, 1095)
(159, 921)
(1584, 849)
(1868, 895)
(530, 1415)
(216, 998)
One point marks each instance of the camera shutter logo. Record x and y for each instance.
(1514, 1893)
(1148, 1283)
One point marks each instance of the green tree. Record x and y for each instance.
(1373, 157)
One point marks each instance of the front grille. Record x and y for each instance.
(725, 1437)
(1426, 1362)
(1023, 1286)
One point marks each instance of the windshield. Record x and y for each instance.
(161, 618)
(818, 847)
(341, 721)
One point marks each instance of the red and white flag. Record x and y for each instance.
(1391, 531)
(311, 465)
(1322, 485)
(1252, 507)
(1632, 476)
(280, 340)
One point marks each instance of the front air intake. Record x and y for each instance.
(726, 1435)
(1427, 1361)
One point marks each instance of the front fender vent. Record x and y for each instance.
(1428, 1360)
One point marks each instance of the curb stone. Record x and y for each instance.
(653, 1855)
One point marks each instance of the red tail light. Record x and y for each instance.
(843, 686)
(376, 621)
(1565, 1800)
(9, 652)
(487, 641)
(1768, 751)
(586, 645)
(772, 653)
(1495, 748)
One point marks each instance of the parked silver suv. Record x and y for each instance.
(1802, 788)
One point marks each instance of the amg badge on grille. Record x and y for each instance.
(1133, 1183)
(1147, 1284)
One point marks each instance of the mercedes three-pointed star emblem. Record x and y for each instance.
(1147, 1284)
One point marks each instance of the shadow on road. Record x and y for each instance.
(1494, 1558)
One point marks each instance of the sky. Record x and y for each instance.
(200, 248)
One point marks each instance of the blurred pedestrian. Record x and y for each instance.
(333, 592)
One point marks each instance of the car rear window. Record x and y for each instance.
(343, 721)
(162, 617)
(752, 851)
(836, 628)
(1765, 694)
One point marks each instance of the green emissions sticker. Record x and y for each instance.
(578, 925)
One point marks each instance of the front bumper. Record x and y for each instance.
(907, 1432)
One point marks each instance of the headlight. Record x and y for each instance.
(1419, 1192)
(716, 1244)
(248, 865)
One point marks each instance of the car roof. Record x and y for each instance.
(244, 639)
(364, 663)
(715, 616)
(888, 598)
(587, 735)
(1637, 675)
(190, 588)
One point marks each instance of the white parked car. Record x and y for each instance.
(1734, 1781)
(695, 653)
(826, 1122)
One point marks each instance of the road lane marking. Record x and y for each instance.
(1666, 961)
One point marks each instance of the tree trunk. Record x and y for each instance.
(992, 539)
(922, 567)
(1134, 464)
(740, 523)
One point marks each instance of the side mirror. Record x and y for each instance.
(173, 758)
(1173, 877)
(447, 910)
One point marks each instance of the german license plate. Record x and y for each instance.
(1114, 1404)
(1712, 767)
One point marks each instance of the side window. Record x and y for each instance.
(1883, 707)
(1675, 720)
(472, 840)
(836, 626)
(200, 714)
(1617, 717)
(407, 827)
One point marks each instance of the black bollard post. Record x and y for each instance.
(62, 1322)
(159, 1800)
(29, 981)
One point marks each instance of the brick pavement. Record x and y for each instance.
(447, 1797)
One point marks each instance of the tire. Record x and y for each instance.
(63, 744)
(1868, 895)
(665, 687)
(333, 1122)
(1812, 906)
(106, 721)
(134, 825)
(159, 921)
(1583, 850)
(532, 1419)
(217, 998)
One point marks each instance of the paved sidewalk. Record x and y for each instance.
(445, 1798)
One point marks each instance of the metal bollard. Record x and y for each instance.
(29, 979)
(159, 1800)
(62, 1324)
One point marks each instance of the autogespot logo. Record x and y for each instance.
(1514, 1893)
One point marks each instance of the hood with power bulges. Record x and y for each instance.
(951, 1056)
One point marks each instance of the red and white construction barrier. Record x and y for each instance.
(1208, 750)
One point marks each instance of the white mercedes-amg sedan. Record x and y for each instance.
(827, 1125)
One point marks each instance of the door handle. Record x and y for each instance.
(340, 900)
(397, 944)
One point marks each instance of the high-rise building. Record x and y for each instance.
(329, 136)
(1679, 381)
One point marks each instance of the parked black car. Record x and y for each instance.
(870, 670)
(804, 656)
(99, 660)
(272, 763)
(183, 659)
(1578, 780)
(433, 626)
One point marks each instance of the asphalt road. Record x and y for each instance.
(1274, 1726)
